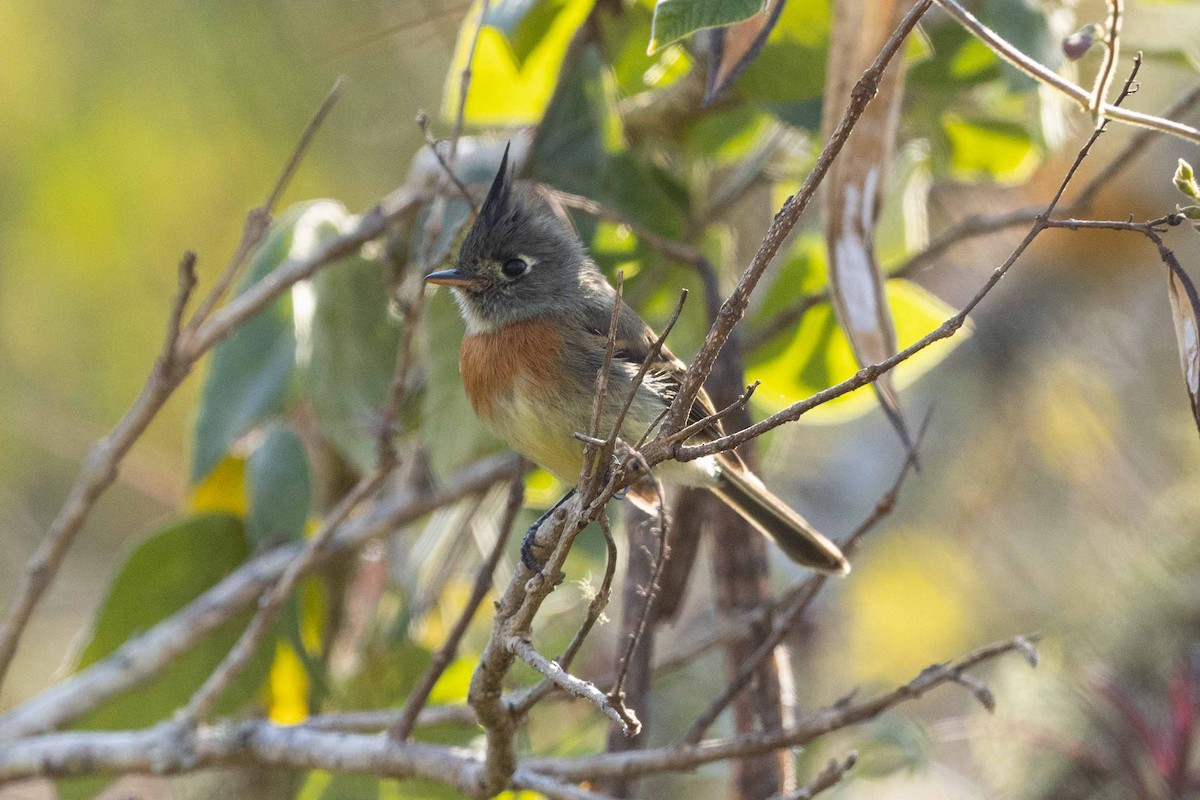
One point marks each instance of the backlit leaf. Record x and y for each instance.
(990, 150)
(734, 47)
(818, 355)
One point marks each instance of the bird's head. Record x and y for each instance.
(520, 260)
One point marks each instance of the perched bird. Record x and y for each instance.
(537, 314)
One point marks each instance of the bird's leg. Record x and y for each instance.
(527, 544)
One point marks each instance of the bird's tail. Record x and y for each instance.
(742, 491)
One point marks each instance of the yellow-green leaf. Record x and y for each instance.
(819, 355)
(506, 89)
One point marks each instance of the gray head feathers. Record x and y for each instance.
(524, 260)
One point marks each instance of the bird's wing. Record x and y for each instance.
(632, 346)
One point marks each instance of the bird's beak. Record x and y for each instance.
(453, 277)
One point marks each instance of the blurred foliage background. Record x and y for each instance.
(1058, 489)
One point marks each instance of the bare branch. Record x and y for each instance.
(259, 219)
(947, 329)
(98, 472)
(552, 789)
(145, 656)
(449, 649)
(616, 694)
(431, 143)
(1044, 75)
(168, 749)
(236, 659)
(465, 83)
(575, 686)
(830, 776)
(798, 601)
(1108, 65)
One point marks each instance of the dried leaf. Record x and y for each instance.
(1185, 311)
(853, 192)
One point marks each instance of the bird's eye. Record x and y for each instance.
(514, 268)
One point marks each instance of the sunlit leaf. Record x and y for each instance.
(279, 488)
(818, 355)
(674, 19)
(625, 38)
(223, 491)
(322, 785)
(1185, 312)
(354, 342)
(990, 150)
(512, 81)
(571, 148)
(252, 369)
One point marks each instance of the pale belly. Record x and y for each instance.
(543, 432)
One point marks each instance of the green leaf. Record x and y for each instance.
(164, 573)
(675, 19)
(1185, 180)
(354, 342)
(252, 369)
(580, 148)
(818, 355)
(279, 488)
(1025, 25)
(988, 149)
(571, 147)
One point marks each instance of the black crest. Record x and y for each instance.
(497, 200)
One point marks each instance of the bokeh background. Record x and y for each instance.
(1059, 485)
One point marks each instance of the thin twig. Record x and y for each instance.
(870, 373)
(575, 686)
(735, 306)
(465, 82)
(99, 471)
(445, 654)
(674, 758)
(1044, 75)
(432, 144)
(616, 694)
(828, 778)
(259, 219)
(553, 789)
(800, 600)
(520, 703)
(202, 702)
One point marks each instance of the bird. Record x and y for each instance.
(537, 312)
